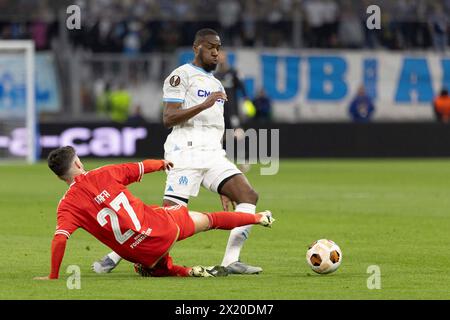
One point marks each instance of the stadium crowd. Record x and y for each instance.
(135, 26)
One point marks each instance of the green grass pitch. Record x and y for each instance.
(391, 213)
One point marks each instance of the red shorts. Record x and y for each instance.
(180, 215)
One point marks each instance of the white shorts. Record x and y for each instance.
(185, 182)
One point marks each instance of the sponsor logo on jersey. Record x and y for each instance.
(204, 93)
(140, 237)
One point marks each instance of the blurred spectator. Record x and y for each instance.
(275, 28)
(350, 30)
(228, 12)
(316, 20)
(132, 40)
(232, 84)
(263, 106)
(406, 28)
(120, 100)
(164, 25)
(249, 21)
(438, 23)
(330, 16)
(101, 35)
(136, 118)
(422, 36)
(104, 100)
(115, 103)
(361, 108)
(169, 37)
(39, 34)
(441, 106)
(39, 28)
(182, 9)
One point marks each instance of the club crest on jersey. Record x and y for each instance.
(174, 80)
(183, 180)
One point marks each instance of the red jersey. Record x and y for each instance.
(99, 202)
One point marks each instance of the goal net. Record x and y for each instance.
(18, 123)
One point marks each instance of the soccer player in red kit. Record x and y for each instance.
(99, 202)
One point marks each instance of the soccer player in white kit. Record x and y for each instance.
(193, 107)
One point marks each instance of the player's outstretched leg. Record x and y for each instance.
(195, 271)
(107, 263)
(166, 268)
(231, 220)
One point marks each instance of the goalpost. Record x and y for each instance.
(18, 123)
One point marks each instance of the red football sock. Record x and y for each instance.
(230, 220)
(166, 268)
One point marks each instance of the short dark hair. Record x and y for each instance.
(444, 92)
(200, 34)
(60, 160)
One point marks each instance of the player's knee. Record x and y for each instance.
(255, 195)
(201, 221)
(251, 196)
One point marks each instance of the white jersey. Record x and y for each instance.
(193, 143)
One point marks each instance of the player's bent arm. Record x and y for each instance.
(58, 249)
(151, 165)
(174, 115)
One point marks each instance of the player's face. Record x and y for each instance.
(208, 52)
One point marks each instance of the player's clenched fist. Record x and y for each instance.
(212, 98)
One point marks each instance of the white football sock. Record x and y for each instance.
(238, 236)
(114, 257)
